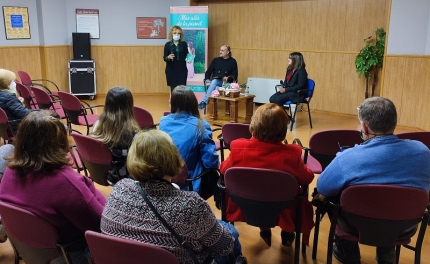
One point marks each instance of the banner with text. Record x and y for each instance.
(194, 21)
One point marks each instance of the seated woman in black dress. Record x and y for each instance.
(296, 79)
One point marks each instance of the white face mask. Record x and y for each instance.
(176, 37)
(12, 86)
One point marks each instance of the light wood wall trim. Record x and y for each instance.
(286, 50)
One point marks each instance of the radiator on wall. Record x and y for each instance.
(262, 88)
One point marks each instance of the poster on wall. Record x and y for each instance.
(194, 21)
(151, 27)
(16, 22)
(87, 21)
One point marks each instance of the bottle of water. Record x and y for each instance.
(246, 90)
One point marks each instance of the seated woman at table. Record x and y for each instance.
(153, 160)
(39, 179)
(191, 134)
(266, 150)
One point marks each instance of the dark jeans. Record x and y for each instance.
(279, 98)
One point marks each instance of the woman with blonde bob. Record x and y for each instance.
(175, 52)
(267, 150)
(39, 179)
(153, 161)
(116, 128)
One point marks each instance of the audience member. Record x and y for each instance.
(39, 178)
(13, 107)
(175, 52)
(191, 134)
(220, 68)
(153, 161)
(296, 79)
(266, 150)
(116, 128)
(381, 159)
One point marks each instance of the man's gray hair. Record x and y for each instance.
(379, 114)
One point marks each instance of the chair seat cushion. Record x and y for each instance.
(92, 118)
(313, 165)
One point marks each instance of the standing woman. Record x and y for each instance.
(296, 79)
(116, 128)
(175, 52)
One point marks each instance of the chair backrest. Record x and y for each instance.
(25, 78)
(232, 131)
(72, 107)
(423, 136)
(96, 157)
(4, 125)
(325, 144)
(381, 213)
(181, 178)
(265, 194)
(311, 88)
(143, 117)
(34, 238)
(106, 249)
(25, 93)
(44, 101)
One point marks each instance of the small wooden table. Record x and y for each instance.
(231, 107)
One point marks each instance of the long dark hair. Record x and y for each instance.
(297, 61)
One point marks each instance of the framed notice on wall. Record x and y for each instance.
(16, 22)
(151, 27)
(87, 21)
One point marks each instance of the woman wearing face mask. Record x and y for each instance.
(175, 52)
(9, 102)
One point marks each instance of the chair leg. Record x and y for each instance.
(398, 253)
(309, 114)
(293, 119)
(316, 233)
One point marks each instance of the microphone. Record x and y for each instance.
(282, 83)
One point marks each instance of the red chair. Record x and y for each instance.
(33, 239)
(29, 99)
(230, 132)
(45, 101)
(76, 111)
(381, 214)
(95, 156)
(264, 196)
(27, 81)
(6, 131)
(106, 249)
(143, 118)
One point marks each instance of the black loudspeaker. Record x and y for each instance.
(81, 46)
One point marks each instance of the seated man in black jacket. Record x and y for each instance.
(220, 68)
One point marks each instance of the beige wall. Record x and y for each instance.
(261, 34)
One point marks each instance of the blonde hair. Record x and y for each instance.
(6, 77)
(117, 124)
(171, 33)
(152, 155)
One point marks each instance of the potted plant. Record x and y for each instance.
(369, 60)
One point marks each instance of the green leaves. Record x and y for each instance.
(371, 57)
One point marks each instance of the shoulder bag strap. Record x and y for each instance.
(178, 237)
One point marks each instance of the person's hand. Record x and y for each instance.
(224, 79)
(171, 56)
(282, 90)
(21, 100)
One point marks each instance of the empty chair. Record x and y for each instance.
(106, 249)
(230, 132)
(34, 239)
(77, 111)
(95, 156)
(29, 100)
(45, 101)
(264, 196)
(143, 118)
(27, 81)
(380, 215)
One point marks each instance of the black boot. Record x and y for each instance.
(287, 238)
(266, 235)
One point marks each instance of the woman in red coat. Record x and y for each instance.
(266, 150)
